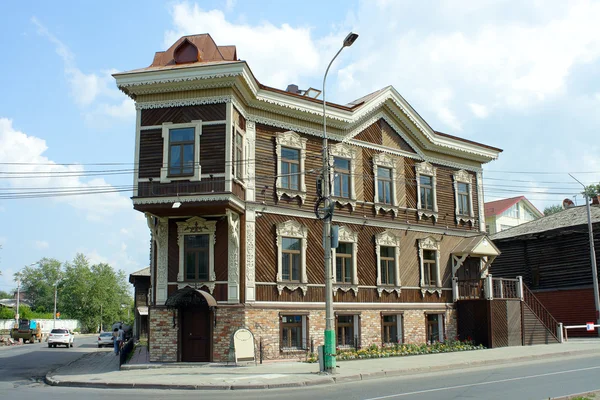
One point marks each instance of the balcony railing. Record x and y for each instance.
(488, 288)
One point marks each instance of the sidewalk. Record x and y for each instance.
(101, 369)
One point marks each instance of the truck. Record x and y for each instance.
(28, 330)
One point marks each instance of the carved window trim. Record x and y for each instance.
(462, 176)
(425, 168)
(429, 243)
(343, 150)
(346, 235)
(197, 226)
(292, 140)
(164, 170)
(292, 229)
(385, 161)
(388, 239)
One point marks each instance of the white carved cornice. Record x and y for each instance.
(233, 250)
(292, 140)
(344, 288)
(250, 255)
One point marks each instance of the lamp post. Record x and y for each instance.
(55, 297)
(329, 349)
(592, 254)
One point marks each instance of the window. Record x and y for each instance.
(293, 332)
(435, 328)
(345, 275)
(291, 256)
(429, 259)
(528, 215)
(196, 251)
(347, 331)
(181, 151)
(341, 180)
(391, 328)
(429, 268)
(426, 194)
(343, 263)
(196, 239)
(387, 249)
(238, 156)
(512, 212)
(291, 154)
(344, 166)
(290, 168)
(463, 197)
(384, 185)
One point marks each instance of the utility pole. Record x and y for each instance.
(55, 289)
(329, 348)
(592, 255)
(100, 317)
(18, 297)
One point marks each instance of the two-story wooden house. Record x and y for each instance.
(226, 174)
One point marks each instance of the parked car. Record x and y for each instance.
(106, 339)
(60, 336)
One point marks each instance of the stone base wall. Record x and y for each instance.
(162, 336)
(265, 325)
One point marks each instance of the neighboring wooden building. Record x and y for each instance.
(552, 254)
(504, 214)
(227, 178)
(141, 283)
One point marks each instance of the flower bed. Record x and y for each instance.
(399, 350)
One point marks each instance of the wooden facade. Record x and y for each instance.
(236, 198)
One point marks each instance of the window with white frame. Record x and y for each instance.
(181, 151)
(344, 170)
(238, 154)
(345, 274)
(196, 240)
(391, 328)
(347, 327)
(429, 260)
(435, 328)
(291, 256)
(512, 211)
(463, 197)
(426, 190)
(387, 249)
(385, 173)
(291, 155)
(293, 331)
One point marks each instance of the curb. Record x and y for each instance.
(50, 380)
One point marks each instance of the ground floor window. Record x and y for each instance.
(391, 328)
(347, 331)
(293, 332)
(435, 328)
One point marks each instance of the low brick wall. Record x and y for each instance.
(163, 336)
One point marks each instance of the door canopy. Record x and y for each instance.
(477, 246)
(190, 297)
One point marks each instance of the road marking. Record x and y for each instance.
(483, 383)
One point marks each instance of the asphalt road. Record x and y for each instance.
(542, 379)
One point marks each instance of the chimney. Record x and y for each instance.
(293, 89)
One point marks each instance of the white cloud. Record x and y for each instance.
(17, 147)
(230, 4)
(41, 244)
(86, 89)
(479, 110)
(278, 55)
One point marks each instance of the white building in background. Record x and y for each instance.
(504, 214)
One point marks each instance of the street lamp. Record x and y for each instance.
(329, 349)
(55, 296)
(592, 254)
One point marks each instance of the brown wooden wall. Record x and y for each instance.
(266, 171)
(220, 255)
(473, 321)
(505, 323)
(184, 114)
(266, 264)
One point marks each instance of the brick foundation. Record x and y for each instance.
(162, 335)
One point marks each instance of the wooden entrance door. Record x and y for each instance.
(195, 334)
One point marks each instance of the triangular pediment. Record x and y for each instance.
(382, 134)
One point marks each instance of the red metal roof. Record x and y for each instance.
(499, 206)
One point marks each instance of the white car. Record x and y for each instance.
(60, 336)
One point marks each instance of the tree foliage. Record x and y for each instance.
(552, 209)
(5, 295)
(93, 294)
(592, 190)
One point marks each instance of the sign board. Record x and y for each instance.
(243, 345)
(589, 326)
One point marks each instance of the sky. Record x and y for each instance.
(521, 76)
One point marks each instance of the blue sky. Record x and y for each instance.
(522, 76)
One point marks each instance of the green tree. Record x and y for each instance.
(38, 282)
(552, 209)
(5, 295)
(592, 190)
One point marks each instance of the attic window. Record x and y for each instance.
(186, 52)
